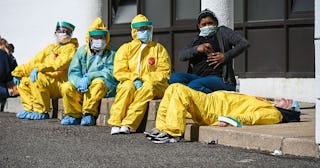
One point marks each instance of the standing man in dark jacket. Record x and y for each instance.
(210, 56)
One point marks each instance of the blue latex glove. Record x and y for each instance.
(295, 105)
(34, 75)
(16, 80)
(83, 84)
(137, 83)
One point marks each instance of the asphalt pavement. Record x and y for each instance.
(46, 143)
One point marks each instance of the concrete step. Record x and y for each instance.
(13, 105)
(290, 138)
(146, 125)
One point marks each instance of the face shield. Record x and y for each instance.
(63, 35)
(98, 40)
(144, 33)
(144, 30)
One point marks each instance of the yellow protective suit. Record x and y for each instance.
(98, 68)
(154, 70)
(179, 100)
(52, 64)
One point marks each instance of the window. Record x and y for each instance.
(158, 12)
(265, 10)
(187, 9)
(123, 11)
(302, 5)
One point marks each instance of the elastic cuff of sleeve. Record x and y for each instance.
(194, 50)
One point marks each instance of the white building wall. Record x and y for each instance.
(223, 9)
(30, 24)
(302, 89)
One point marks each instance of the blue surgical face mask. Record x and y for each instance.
(205, 31)
(144, 36)
(98, 44)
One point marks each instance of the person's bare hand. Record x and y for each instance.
(205, 48)
(284, 103)
(222, 124)
(215, 59)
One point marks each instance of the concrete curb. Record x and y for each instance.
(259, 141)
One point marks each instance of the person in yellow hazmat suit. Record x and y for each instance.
(41, 78)
(142, 68)
(90, 77)
(180, 100)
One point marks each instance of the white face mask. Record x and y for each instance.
(205, 31)
(63, 38)
(98, 44)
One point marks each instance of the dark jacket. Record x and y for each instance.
(4, 67)
(230, 43)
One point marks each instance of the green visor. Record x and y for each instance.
(65, 24)
(98, 32)
(140, 24)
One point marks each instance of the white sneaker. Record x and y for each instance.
(115, 130)
(125, 130)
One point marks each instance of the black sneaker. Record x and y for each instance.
(152, 134)
(164, 137)
(169, 140)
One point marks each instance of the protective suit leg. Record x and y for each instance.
(124, 97)
(178, 101)
(25, 94)
(71, 100)
(143, 96)
(91, 99)
(43, 92)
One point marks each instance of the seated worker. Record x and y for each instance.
(142, 67)
(210, 56)
(7, 65)
(41, 78)
(180, 100)
(90, 77)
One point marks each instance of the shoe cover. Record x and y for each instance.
(38, 116)
(115, 130)
(68, 120)
(124, 130)
(88, 120)
(23, 115)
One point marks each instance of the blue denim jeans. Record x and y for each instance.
(206, 84)
(3, 92)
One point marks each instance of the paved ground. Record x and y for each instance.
(25, 143)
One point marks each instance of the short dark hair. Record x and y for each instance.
(207, 13)
(11, 47)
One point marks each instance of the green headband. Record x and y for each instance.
(98, 32)
(65, 24)
(140, 24)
